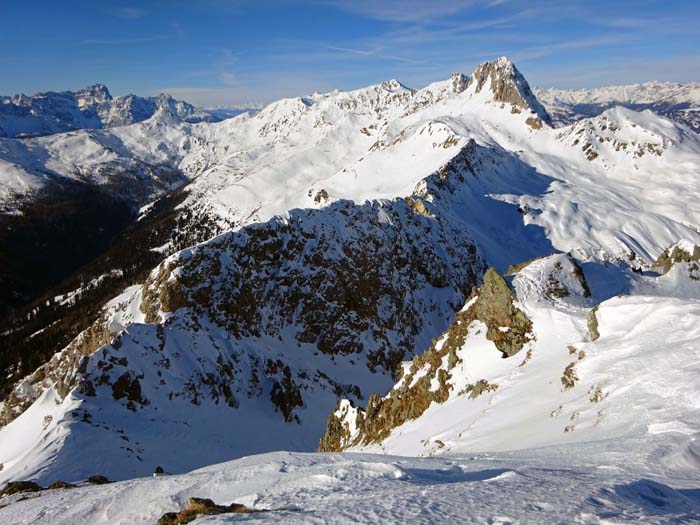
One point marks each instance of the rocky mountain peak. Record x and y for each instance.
(507, 85)
(432, 377)
(394, 85)
(459, 82)
(98, 92)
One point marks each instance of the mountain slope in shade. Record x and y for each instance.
(295, 153)
(224, 343)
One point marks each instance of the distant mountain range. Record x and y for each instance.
(90, 108)
(680, 102)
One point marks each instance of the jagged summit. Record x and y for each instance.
(92, 107)
(507, 85)
(93, 97)
(394, 85)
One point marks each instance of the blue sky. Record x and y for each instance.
(228, 52)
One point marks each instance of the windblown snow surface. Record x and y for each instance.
(619, 445)
(590, 483)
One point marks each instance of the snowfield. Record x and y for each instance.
(600, 483)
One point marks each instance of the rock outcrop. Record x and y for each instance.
(428, 378)
(681, 252)
(201, 507)
(510, 87)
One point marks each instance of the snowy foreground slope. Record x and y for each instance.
(589, 483)
(349, 289)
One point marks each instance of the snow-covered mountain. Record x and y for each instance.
(91, 108)
(679, 102)
(332, 251)
(561, 360)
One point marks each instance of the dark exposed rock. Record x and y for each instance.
(60, 485)
(17, 487)
(127, 386)
(97, 480)
(321, 196)
(507, 326)
(509, 86)
(201, 507)
(480, 387)
(495, 307)
(593, 324)
(677, 254)
(351, 271)
(569, 377)
(285, 394)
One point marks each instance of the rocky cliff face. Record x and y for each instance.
(428, 378)
(509, 86)
(279, 318)
(681, 252)
(362, 262)
(492, 320)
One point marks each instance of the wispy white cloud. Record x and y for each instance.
(129, 13)
(177, 29)
(123, 41)
(376, 52)
(550, 48)
(407, 10)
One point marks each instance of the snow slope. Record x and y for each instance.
(224, 345)
(589, 484)
(378, 142)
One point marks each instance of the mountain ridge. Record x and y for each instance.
(314, 245)
(92, 107)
